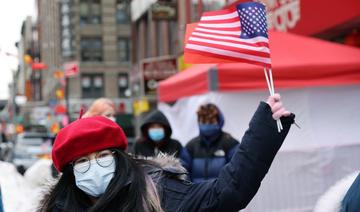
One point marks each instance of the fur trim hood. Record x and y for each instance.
(331, 200)
(164, 164)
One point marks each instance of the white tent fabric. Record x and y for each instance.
(325, 149)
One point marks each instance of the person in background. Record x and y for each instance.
(97, 175)
(156, 137)
(206, 154)
(102, 107)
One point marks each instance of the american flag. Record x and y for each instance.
(238, 34)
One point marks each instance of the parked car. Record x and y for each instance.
(29, 147)
(6, 148)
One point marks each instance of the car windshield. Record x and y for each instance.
(31, 141)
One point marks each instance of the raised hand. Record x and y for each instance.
(277, 107)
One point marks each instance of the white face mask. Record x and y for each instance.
(95, 181)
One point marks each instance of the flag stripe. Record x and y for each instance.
(256, 42)
(221, 25)
(219, 12)
(232, 48)
(230, 44)
(220, 21)
(234, 56)
(220, 17)
(223, 32)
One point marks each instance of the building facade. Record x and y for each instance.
(96, 34)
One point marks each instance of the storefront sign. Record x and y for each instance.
(156, 69)
(282, 15)
(163, 11)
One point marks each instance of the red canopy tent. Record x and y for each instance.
(297, 61)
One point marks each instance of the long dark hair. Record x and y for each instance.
(130, 190)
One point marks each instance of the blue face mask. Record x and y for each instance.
(95, 180)
(156, 134)
(209, 130)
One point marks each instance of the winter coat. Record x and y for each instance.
(238, 181)
(331, 200)
(148, 148)
(204, 159)
(1, 203)
(351, 201)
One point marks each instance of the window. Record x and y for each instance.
(199, 6)
(159, 38)
(124, 49)
(123, 85)
(92, 85)
(91, 49)
(173, 34)
(90, 12)
(122, 12)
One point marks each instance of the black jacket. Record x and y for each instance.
(204, 160)
(146, 147)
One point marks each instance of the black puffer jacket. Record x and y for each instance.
(148, 148)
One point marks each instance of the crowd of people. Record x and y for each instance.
(96, 171)
(99, 174)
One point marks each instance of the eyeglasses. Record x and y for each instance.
(104, 159)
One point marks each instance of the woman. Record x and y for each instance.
(98, 176)
(102, 106)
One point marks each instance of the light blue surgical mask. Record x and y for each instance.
(156, 134)
(95, 180)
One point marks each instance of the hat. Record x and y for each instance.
(85, 136)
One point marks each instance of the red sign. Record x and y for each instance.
(38, 66)
(71, 69)
(309, 17)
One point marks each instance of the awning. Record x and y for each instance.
(297, 62)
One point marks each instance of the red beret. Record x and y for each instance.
(85, 136)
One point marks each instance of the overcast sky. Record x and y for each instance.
(12, 14)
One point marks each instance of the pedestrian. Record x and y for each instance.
(102, 177)
(156, 137)
(102, 107)
(206, 154)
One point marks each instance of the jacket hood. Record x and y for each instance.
(156, 117)
(220, 118)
